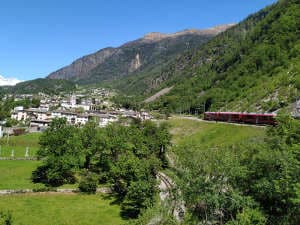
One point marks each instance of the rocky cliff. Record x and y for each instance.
(144, 54)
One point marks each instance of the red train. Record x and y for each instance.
(238, 117)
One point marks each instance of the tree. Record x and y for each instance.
(91, 138)
(61, 152)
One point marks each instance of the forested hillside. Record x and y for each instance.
(48, 86)
(253, 66)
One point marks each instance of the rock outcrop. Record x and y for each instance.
(139, 55)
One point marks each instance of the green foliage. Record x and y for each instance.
(249, 217)
(127, 102)
(88, 183)
(7, 105)
(128, 157)
(11, 122)
(136, 155)
(61, 151)
(254, 182)
(47, 86)
(5, 218)
(92, 142)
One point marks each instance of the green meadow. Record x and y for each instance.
(210, 134)
(47, 208)
(18, 145)
(16, 174)
(61, 209)
(51, 208)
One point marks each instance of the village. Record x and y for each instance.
(78, 108)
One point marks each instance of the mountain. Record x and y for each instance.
(48, 86)
(253, 66)
(8, 81)
(135, 57)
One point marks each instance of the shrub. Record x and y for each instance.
(249, 217)
(5, 218)
(88, 183)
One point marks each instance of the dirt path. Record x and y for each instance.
(18, 158)
(158, 94)
(104, 190)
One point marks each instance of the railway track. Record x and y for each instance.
(176, 207)
(221, 122)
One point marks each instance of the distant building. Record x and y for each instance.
(103, 119)
(19, 115)
(70, 116)
(82, 119)
(40, 123)
(74, 103)
(296, 112)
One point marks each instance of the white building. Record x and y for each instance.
(70, 116)
(72, 104)
(44, 107)
(73, 100)
(82, 119)
(144, 116)
(38, 114)
(19, 115)
(105, 119)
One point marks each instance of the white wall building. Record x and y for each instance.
(82, 119)
(70, 116)
(19, 115)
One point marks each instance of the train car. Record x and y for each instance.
(238, 117)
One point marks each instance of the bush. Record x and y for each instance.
(88, 183)
(52, 176)
(249, 217)
(39, 175)
(5, 218)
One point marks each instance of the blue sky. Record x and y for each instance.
(40, 36)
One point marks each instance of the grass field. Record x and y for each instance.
(16, 174)
(61, 209)
(19, 144)
(210, 135)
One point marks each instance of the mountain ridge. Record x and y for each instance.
(84, 68)
(157, 36)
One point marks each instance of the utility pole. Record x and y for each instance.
(7, 140)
